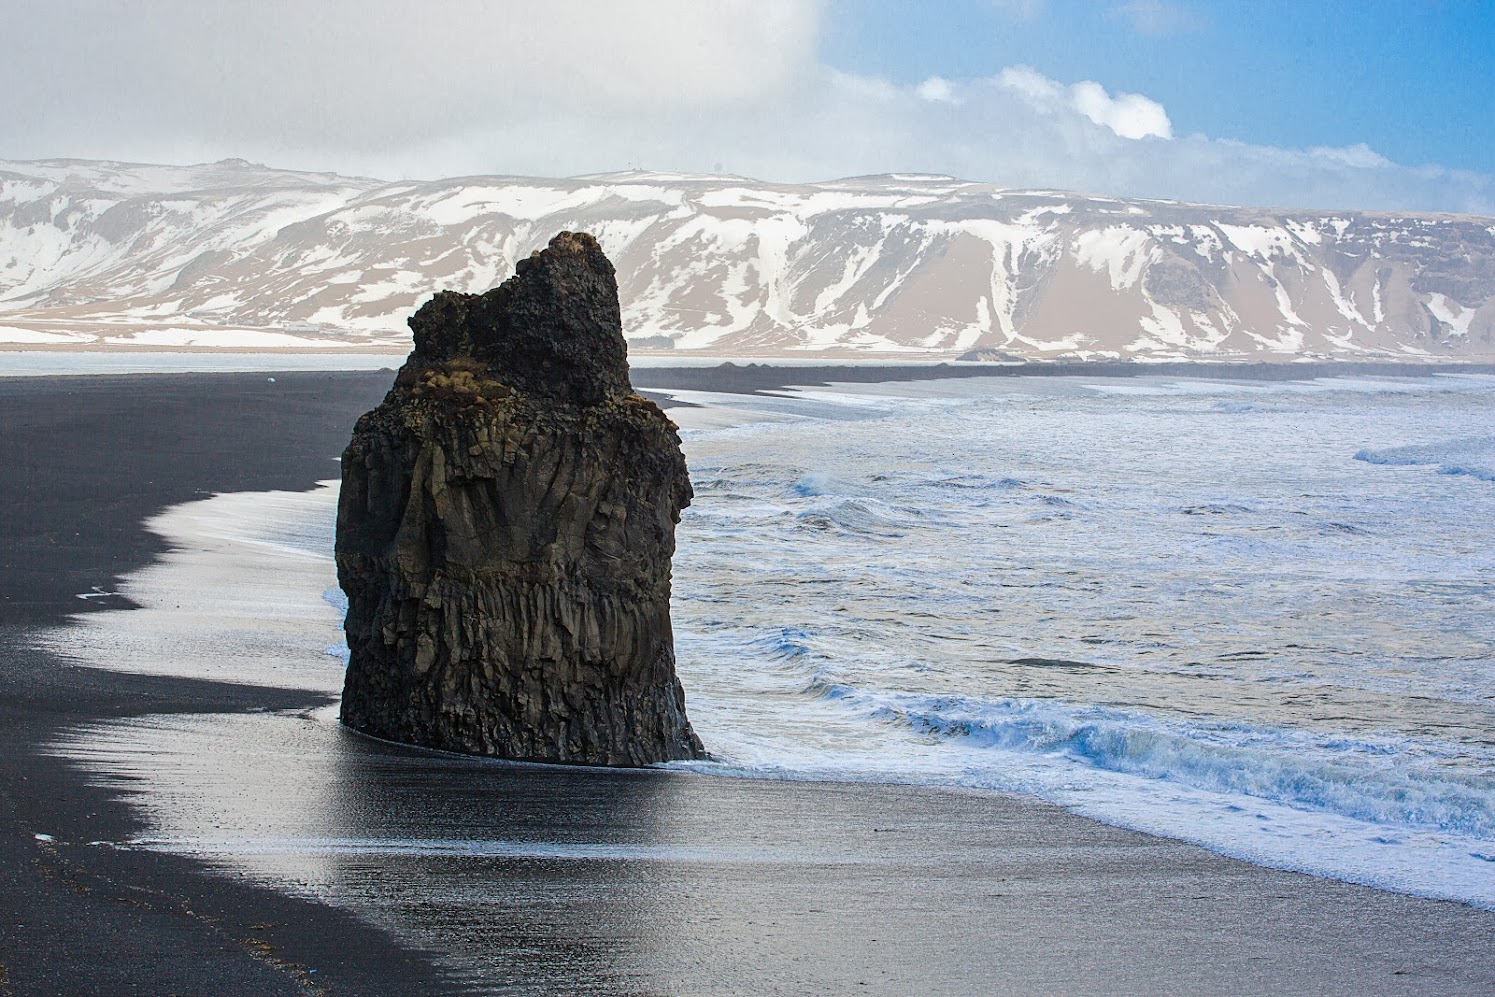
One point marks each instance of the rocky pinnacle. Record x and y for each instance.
(505, 530)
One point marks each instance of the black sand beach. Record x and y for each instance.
(608, 882)
(85, 460)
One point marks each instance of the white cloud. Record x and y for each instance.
(1129, 115)
(1017, 129)
(1038, 88)
(453, 87)
(368, 74)
(1358, 156)
(936, 88)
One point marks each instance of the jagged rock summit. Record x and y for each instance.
(505, 530)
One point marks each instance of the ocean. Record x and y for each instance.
(1257, 616)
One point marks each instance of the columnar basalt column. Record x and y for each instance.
(505, 530)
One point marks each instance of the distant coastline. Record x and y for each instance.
(237, 256)
(704, 373)
(766, 376)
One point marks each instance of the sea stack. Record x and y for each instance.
(505, 530)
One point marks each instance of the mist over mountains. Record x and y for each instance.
(232, 254)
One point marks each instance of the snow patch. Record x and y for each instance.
(1121, 251)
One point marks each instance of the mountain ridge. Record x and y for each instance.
(232, 254)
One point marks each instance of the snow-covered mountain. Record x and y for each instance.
(233, 254)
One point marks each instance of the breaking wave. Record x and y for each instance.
(1384, 781)
(1473, 457)
(1260, 651)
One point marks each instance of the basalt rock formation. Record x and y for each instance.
(505, 530)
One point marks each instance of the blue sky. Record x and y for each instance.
(1375, 104)
(1413, 79)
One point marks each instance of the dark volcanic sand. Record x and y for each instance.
(84, 461)
(584, 880)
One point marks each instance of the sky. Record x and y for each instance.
(1375, 104)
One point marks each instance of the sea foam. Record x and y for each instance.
(1472, 457)
(1152, 605)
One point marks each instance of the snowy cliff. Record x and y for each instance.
(233, 254)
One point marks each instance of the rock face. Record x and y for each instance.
(892, 265)
(505, 530)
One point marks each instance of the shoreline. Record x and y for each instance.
(1067, 902)
(88, 463)
(763, 372)
(767, 375)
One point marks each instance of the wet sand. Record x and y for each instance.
(85, 461)
(399, 871)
